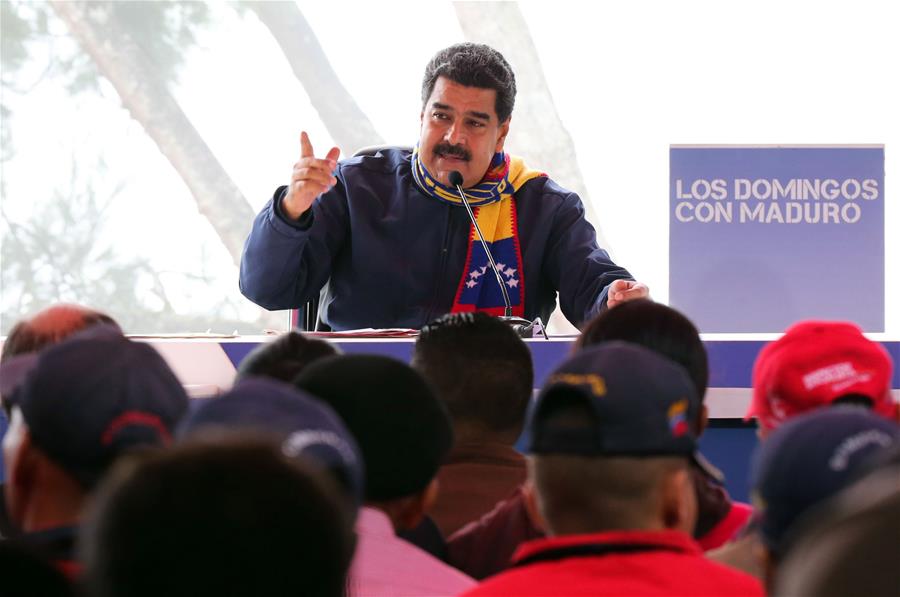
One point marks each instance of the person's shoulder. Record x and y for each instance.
(546, 198)
(545, 186)
(386, 160)
(516, 581)
(726, 580)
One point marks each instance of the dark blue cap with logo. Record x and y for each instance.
(809, 459)
(639, 404)
(305, 426)
(93, 396)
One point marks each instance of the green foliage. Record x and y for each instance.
(60, 255)
(15, 32)
(163, 30)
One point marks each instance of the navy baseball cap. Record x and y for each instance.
(305, 426)
(640, 404)
(92, 397)
(809, 459)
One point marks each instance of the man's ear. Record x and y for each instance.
(529, 494)
(703, 420)
(415, 507)
(22, 470)
(679, 501)
(767, 564)
(504, 131)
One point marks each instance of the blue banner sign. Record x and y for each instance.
(761, 237)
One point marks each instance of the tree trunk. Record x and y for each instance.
(537, 134)
(148, 100)
(348, 125)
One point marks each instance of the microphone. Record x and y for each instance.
(522, 326)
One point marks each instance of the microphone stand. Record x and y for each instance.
(523, 327)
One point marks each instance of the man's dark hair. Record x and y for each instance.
(480, 369)
(232, 517)
(657, 327)
(51, 326)
(402, 429)
(284, 357)
(853, 400)
(474, 65)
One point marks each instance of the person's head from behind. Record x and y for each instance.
(468, 93)
(660, 328)
(402, 429)
(482, 371)
(610, 443)
(817, 364)
(50, 326)
(227, 517)
(305, 427)
(284, 357)
(76, 407)
(851, 549)
(806, 461)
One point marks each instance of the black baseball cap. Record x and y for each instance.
(640, 404)
(305, 426)
(811, 458)
(92, 397)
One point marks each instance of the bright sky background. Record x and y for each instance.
(628, 79)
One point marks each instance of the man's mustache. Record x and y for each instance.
(458, 151)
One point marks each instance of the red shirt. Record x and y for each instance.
(660, 563)
(474, 479)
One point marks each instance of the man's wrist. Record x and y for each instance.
(303, 221)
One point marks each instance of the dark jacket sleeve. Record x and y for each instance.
(286, 262)
(578, 267)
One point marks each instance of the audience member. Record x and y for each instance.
(303, 425)
(51, 326)
(484, 547)
(806, 461)
(284, 357)
(77, 407)
(234, 517)
(481, 370)
(815, 364)
(404, 433)
(852, 548)
(610, 446)
(664, 330)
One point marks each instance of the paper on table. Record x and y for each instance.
(368, 333)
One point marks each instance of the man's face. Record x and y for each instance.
(460, 131)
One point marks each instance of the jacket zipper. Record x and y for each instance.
(445, 251)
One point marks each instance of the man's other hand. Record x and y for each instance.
(621, 291)
(311, 177)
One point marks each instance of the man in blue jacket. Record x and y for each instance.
(393, 241)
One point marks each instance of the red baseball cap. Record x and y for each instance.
(813, 364)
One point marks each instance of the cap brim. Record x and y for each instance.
(707, 467)
(14, 371)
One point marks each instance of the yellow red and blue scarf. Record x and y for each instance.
(494, 205)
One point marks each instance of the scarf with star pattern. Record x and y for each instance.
(494, 205)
